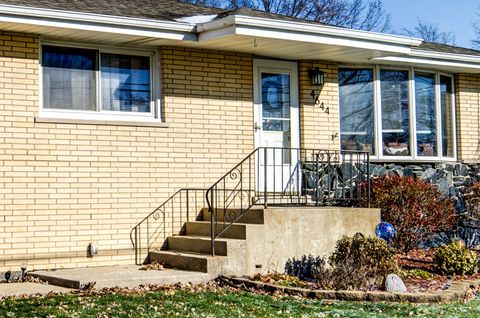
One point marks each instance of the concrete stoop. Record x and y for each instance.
(192, 251)
(263, 240)
(124, 276)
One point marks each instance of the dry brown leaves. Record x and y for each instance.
(422, 259)
(154, 266)
(416, 284)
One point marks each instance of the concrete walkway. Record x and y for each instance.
(28, 288)
(128, 276)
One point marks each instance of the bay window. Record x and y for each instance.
(448, 119)
(356, 109)
(95, 82)
(426, 119)
(400, 114)
(395, 113)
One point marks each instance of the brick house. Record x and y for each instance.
(107, 110)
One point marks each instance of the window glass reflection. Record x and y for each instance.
(356, 109)
(426, 119)
(395, 113)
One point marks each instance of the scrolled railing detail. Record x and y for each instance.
(287, 176)
(152, 231)
(266, 176)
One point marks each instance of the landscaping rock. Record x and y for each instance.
(430, 175)
(394, 284)
(298, 291)
(351, 295)
(408, 172)
(376, 296)
(325, 294)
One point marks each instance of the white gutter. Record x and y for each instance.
(97, 22)
(417, 60)
(446, 56)
(293, 26)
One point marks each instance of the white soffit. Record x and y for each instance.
(290, 36)
(58, 22)
(297, 40)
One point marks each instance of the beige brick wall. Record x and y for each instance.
(316, 126)
(468, 117)
(64, 185)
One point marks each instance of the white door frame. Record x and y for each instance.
(261, 65)
(278, 175)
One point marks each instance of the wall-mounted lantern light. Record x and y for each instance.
(316, 76)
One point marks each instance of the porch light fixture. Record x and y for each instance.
(316, 76)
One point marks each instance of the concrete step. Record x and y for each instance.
(129, 276)
(189, 261)
(203, 228)
(252, 216)
(197, 244)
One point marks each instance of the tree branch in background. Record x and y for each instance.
(430, 32)
(476, 29)
(355, 14)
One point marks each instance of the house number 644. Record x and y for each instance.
(321, 105)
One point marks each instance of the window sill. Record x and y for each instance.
(107, 122)
(411, 160)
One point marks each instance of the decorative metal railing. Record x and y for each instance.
(267, 176)
(287, 176)
(151, 232)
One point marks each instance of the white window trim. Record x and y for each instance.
(454, 114)
(378, 135)
(99, 115)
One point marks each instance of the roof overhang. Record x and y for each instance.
(96, 27)
(297, 40)
(283, 39)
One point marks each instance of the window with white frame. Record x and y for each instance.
(397, 113)
(97, 81)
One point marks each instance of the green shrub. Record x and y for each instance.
(415, 208)
(455, 258)
(370, 252)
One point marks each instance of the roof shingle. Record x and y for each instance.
(145, 9)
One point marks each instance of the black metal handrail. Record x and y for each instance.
(287, 176)
(152, 231)
(266, 176)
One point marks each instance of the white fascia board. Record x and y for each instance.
(321, 39)
(413, 60)
(304, 28)
(446, 56)
(97, 22)
(216, 34)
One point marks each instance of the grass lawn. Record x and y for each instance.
(215, 303)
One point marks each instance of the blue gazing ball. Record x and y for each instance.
(385, 231)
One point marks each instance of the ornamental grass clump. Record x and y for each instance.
(455, 259)
(416, 209)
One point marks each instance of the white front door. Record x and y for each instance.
(276, 124)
